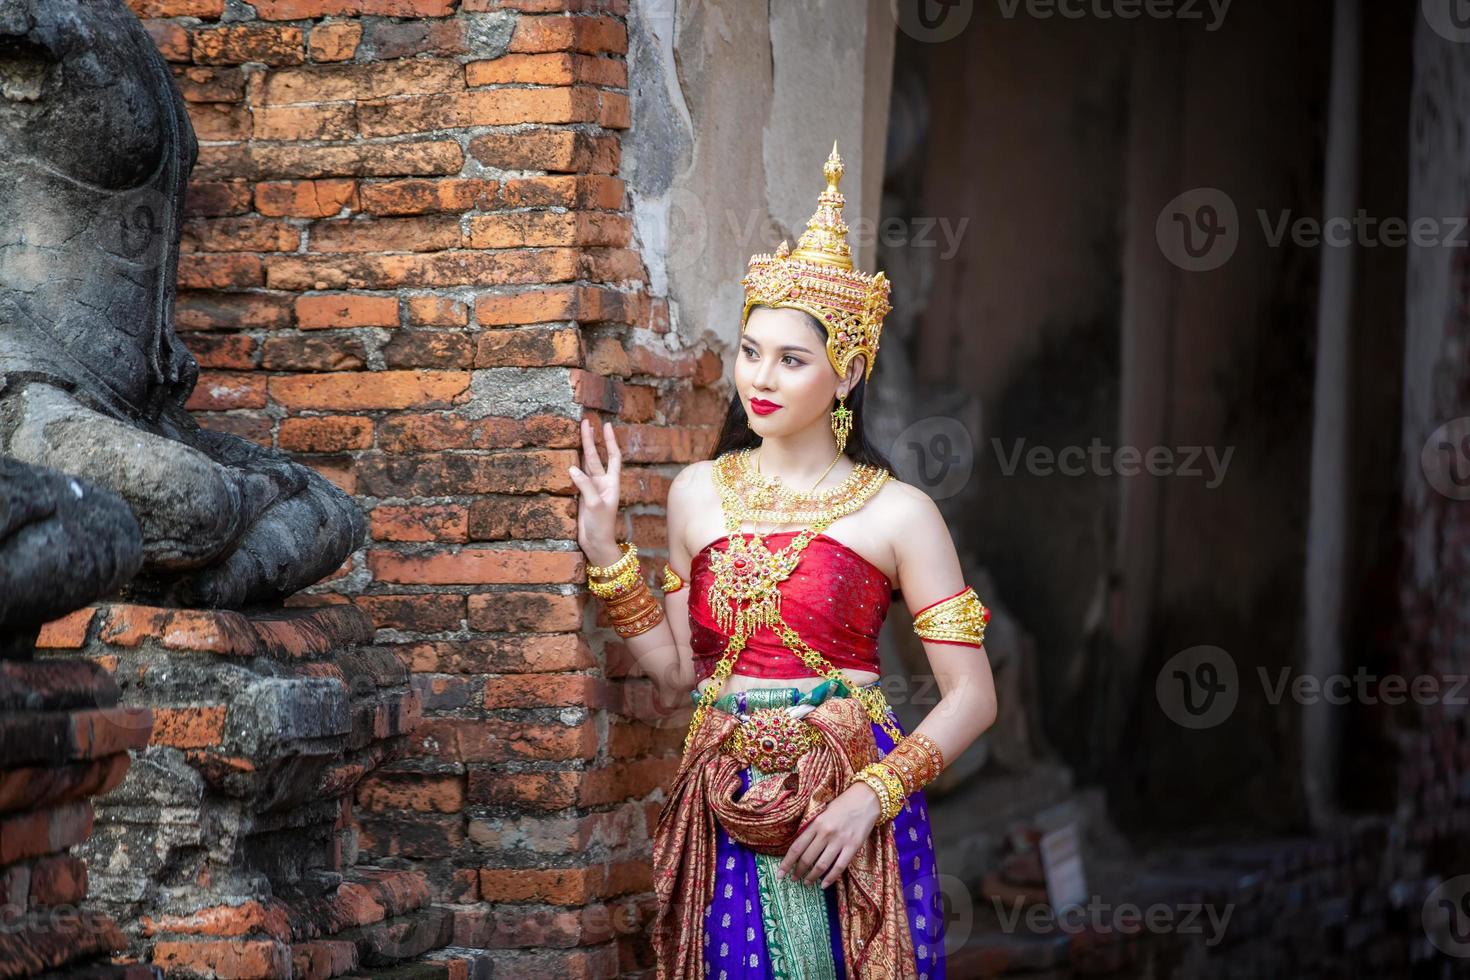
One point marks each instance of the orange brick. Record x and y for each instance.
(545, 691)
(188, 728)
(253, 42)
(589, 35)
(583, 303)
(380, 389)
(306, 198)
(334, 42)
(413, 522)
(346, 310)
(524, 228)
(423, 613)
(417, 791)
(328, 434)
(529, 347)
(426, 270)
(429, 233)
(532, 612)
(437, 311)
(218, 392)
(224, 958)
(67, 633)
(549, 149)
(347, 83)
(493, 107)
(305, 9)
(331, 352)
(408, 8)
(425, 196)
(476, 566)
(206, 9)
(568, 191)
(429, 349)
(198, 270)
(306, 122)
(547, 69)
(509, 516)
(171, 40)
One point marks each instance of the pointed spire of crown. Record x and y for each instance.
(825, 238)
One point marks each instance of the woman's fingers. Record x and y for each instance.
(823, 861)
(614, 454)
(839, 866)
(794, 852)
(583, 483)
(591, 459)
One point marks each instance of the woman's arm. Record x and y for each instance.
(662, 652)
(928, 571)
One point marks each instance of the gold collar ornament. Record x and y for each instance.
(818, 278)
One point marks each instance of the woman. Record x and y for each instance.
(795, 772)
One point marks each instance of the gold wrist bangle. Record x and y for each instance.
(624, 583)
(894, 784)
(629, 558)
(876, 784)
(917, 760)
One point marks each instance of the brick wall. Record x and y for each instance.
(409, 260)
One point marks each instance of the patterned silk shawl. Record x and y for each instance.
(875, 934)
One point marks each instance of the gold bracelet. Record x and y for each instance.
(628, 559)
(630, 603)
(640, 626)
(894, 784)
(885, 798)
(959, 619)
(623, 584)
(917, 760)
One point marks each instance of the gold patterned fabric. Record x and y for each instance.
(876, 941)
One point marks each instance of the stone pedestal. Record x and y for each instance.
(64, 739)
(230, 848)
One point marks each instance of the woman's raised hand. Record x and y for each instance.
(597, 510)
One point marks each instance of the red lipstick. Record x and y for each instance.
(762, 407)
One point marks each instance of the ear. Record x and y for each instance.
(853, 375)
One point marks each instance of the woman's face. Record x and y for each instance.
(782, 361)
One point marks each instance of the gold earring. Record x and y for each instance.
(841, 422)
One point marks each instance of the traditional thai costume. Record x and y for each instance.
(760, 764)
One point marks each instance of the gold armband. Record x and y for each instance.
(959, 619)
(672, 582)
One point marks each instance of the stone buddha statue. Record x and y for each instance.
(97, 149)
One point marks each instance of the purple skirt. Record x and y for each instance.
(735, 935)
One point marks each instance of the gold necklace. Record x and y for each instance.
(780, 490)
(764, 499)
(744, 593)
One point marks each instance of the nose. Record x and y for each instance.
(763, 374)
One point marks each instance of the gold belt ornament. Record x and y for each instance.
(772, 740)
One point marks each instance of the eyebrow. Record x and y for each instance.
(756, 343)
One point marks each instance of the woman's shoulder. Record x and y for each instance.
(902, 506)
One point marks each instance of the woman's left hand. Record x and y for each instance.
(824, 848)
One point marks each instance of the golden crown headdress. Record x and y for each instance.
(818, 278)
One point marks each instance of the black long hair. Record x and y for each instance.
(736, 432)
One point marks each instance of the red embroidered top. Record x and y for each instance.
(835, 600)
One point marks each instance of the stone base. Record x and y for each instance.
(63, 739)
(230, 849)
